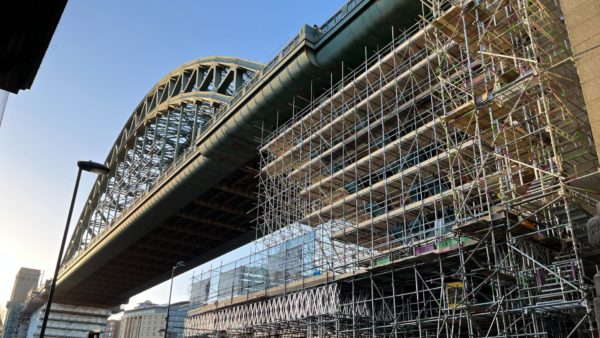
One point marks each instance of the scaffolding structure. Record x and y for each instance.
(447, 182)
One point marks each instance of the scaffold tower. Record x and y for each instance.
(440, 189)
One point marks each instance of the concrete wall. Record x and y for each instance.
(583, 24)
(25, 282)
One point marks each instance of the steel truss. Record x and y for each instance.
(262, 317)
(161, 129)
(446, 178)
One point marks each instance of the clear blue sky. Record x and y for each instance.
(103, 58)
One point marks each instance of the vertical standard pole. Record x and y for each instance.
(169, 304)
(62, 247)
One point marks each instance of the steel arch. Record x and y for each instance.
(162, 127)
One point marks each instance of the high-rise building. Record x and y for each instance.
(25, 282)
(65, 320)
(148, 320)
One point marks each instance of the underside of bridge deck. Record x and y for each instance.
(219, 215)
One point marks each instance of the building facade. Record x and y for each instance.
(148, 320)
(112, 329)
(26, 281)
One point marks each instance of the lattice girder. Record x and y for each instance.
(162, 127)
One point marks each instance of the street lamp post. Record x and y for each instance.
(90, 166)
(178, 265)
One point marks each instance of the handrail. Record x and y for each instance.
(335, 19)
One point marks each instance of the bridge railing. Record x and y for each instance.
(339, 15)
(289, 47)
(331, 23)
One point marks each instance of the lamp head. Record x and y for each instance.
(93, 167)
